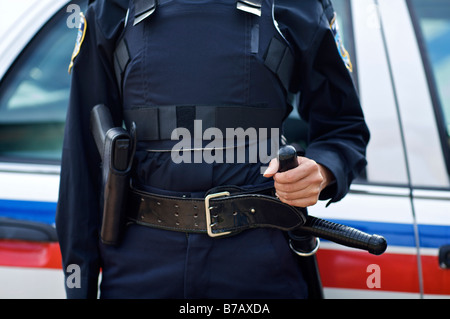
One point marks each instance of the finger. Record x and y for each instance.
(302, 202)
(305, 198)
(272, 169)
(292, 188)
(308, 191)
(307, 170)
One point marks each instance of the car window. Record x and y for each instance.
(432, 22)
(34, 95)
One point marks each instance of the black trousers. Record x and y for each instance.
(154, 263)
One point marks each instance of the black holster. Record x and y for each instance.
(116, 147)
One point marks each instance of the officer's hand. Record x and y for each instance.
(300, 186)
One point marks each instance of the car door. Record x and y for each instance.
(401, 54)
(34, 92)
(380, 201)
(428, 145)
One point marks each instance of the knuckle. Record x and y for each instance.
(318, 179)
(311, 201)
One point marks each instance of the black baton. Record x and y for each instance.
(341, 234)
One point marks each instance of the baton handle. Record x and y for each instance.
(340, 234)
(287, 158)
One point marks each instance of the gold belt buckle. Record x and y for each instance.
(208, 208)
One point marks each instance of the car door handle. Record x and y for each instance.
(14, 229)
(444, 257)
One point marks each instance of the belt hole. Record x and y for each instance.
(252, 211)
(176, 214)
(176, 206)
(195, 215)
(158, 203)
(235, 213)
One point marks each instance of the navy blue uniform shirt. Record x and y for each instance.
(193, 53)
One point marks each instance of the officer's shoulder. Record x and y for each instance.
(120, 3)
(315, 8)
(109, 14)
(111, 8)
(305, 15)
(309, 12)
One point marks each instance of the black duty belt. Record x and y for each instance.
(218, 214)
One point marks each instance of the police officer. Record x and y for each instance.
(163, 64)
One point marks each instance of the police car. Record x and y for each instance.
(400, 60)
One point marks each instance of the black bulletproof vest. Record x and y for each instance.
(185, 58)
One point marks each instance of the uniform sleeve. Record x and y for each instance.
(78, 211)
(338, 135)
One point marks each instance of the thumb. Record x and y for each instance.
(272, 169)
